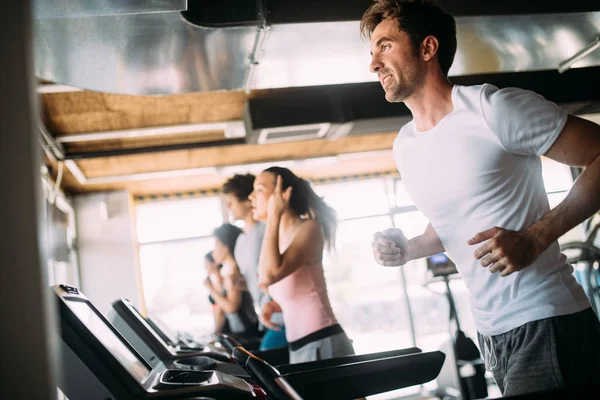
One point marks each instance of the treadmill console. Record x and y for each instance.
(99, 363)
(441, 265)
(125, 355)
(150, 344)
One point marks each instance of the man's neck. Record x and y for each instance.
(431, 103)
(249, 222)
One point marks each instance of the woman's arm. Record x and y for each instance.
(306, 248)
(219, 317)
(229, 303)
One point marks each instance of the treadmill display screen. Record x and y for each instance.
(163, 329)
(135, 312)
(109, 339)
(439, 259)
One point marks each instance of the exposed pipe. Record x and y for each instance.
(580, 55)
(257, 52)
(76, 172)
(56, 148)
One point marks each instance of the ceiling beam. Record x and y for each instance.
(232, 129)
(154, 149)
(45, 88)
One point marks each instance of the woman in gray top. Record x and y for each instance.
(233, 298)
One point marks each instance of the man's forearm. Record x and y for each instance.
(425, 245)
(581, 203)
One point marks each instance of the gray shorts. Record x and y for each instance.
(337, 345)
(545, 355)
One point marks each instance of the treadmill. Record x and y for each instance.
(180, 342)
(149, 340)
(135, 328)
(332, 379)
(98, 363)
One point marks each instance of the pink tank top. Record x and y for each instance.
(304, 301)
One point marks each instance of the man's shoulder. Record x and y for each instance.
(470, 96)
(258, 231)
(260, 226)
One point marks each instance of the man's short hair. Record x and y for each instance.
(418, 19)
(239, 186)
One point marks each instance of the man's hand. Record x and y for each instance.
(506, 251)
(267, 311)
(390, 248)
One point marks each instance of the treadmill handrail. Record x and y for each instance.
(350, 381)
(276, 387)
(353, 380)
(333, 362)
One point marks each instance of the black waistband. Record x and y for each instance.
(313, 337)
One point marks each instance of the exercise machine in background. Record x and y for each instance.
(584, 256)
(98, 363)
(463, 374)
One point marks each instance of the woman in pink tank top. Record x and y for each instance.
(299, 225)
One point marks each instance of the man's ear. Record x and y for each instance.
(429, 47)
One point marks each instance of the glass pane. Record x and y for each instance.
(429, 304)
(166, 220)
(558, 181)
(367, 298)
(402, 197)
(172, 276)
(555, 198)
(412, 223)
(356, 199)
(557, 176)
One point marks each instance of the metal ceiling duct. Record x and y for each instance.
(148, 47)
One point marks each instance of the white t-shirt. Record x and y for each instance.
(480, 167)
(247, 254)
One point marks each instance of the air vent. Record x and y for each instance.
(293, 133)
(322, 113)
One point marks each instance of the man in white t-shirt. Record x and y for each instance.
(470, 160)
(247, 250)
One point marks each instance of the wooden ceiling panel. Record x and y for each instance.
(91, 121)
(84, 111)
(232, 155)
(162, 186)
(369, 165)
(73, 102)
(221, 106)
(164, 114)
(348, 167)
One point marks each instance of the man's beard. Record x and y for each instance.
(401, 90)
